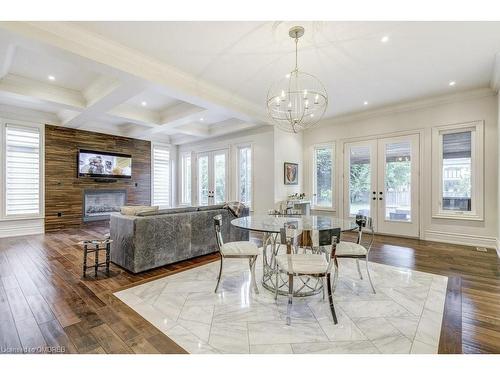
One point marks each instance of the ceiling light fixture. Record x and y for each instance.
(143, 103)
(51, 78)
(298, 101)
(365, 103)
(385, 39)
(452, 83)
(202, 119)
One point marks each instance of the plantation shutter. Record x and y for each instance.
(22, 172)
(161, 176)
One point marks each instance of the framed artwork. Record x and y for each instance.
(291, 174)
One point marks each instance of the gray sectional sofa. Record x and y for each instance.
(154, 239)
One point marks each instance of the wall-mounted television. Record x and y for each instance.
(101, 164)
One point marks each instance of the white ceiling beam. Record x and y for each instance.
(104, 95)
(172, 118)
(194, 130)
(32, 91)
(229, 126)
(7, 53)
(135, 115)
(180, 85)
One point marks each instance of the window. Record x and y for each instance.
(22, 171)
(245, 175)
(161, 176)
(185, 179)
(323, 172)
(458, 177)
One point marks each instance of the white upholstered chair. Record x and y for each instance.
(356, 250)
(238, 249)
(315, 265)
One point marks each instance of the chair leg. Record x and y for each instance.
(290, 300)
(336, 274)
(359, 269)
(324, 286)
(220, 274)
(330, 298)
(369, 277)
(252, 271)
(277, 286)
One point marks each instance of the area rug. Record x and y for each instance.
(404, 316)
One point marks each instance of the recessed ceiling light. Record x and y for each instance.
(452, 83)
(143, 103)
(288, 75)
(202, 119)
(365, 103)
(51, 78)
(385, 39)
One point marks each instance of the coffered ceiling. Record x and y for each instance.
(185, 81)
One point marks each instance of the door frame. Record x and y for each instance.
(341, 171)
(414, 174)
(211, 170)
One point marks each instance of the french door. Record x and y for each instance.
(212, 176)
(381, 180)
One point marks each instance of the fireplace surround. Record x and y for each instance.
(99, 203)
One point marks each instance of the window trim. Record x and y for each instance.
(41, 167)
(238, 148)
(182, 155)
(170, 192)
(315, 147)
(477, 173)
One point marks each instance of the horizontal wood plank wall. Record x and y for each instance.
(64, 190)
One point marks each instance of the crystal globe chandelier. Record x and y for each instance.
(299, 100)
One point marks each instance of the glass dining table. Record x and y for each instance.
(270, 226)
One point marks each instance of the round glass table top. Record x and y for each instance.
(273, 224)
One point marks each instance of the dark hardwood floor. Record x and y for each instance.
(46, 306)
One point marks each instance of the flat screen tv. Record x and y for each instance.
(104, 164)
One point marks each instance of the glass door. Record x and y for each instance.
(381, 180)
(360, 182)
(203, 179)
(219, 190)
(212, 177)
(398, 185)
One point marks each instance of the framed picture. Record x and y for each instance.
(291, 174)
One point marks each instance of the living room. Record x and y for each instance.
(250, 187)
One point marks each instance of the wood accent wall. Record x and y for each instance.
(63, 188)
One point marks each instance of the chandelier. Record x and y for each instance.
(298, 101)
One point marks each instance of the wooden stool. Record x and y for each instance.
(95, 246)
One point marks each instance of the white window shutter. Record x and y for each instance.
(22, 172)
(161, 176)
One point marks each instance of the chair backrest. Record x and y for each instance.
(319, 238)
(365, 223)
(218, 233)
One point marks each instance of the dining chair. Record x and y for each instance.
(356, 250)
(238, 249)
(306, 264)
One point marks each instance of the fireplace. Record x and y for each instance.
(98, 204)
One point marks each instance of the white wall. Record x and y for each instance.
(481, 105)
(288, 147)
(262, 141)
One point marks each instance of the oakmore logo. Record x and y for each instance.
(33, 350)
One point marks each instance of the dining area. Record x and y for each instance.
(293, 283)
(299, 253)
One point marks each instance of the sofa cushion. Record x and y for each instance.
(165, 211)
(136, 210)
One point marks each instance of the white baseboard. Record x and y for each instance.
(24, 227)
(462, 239)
